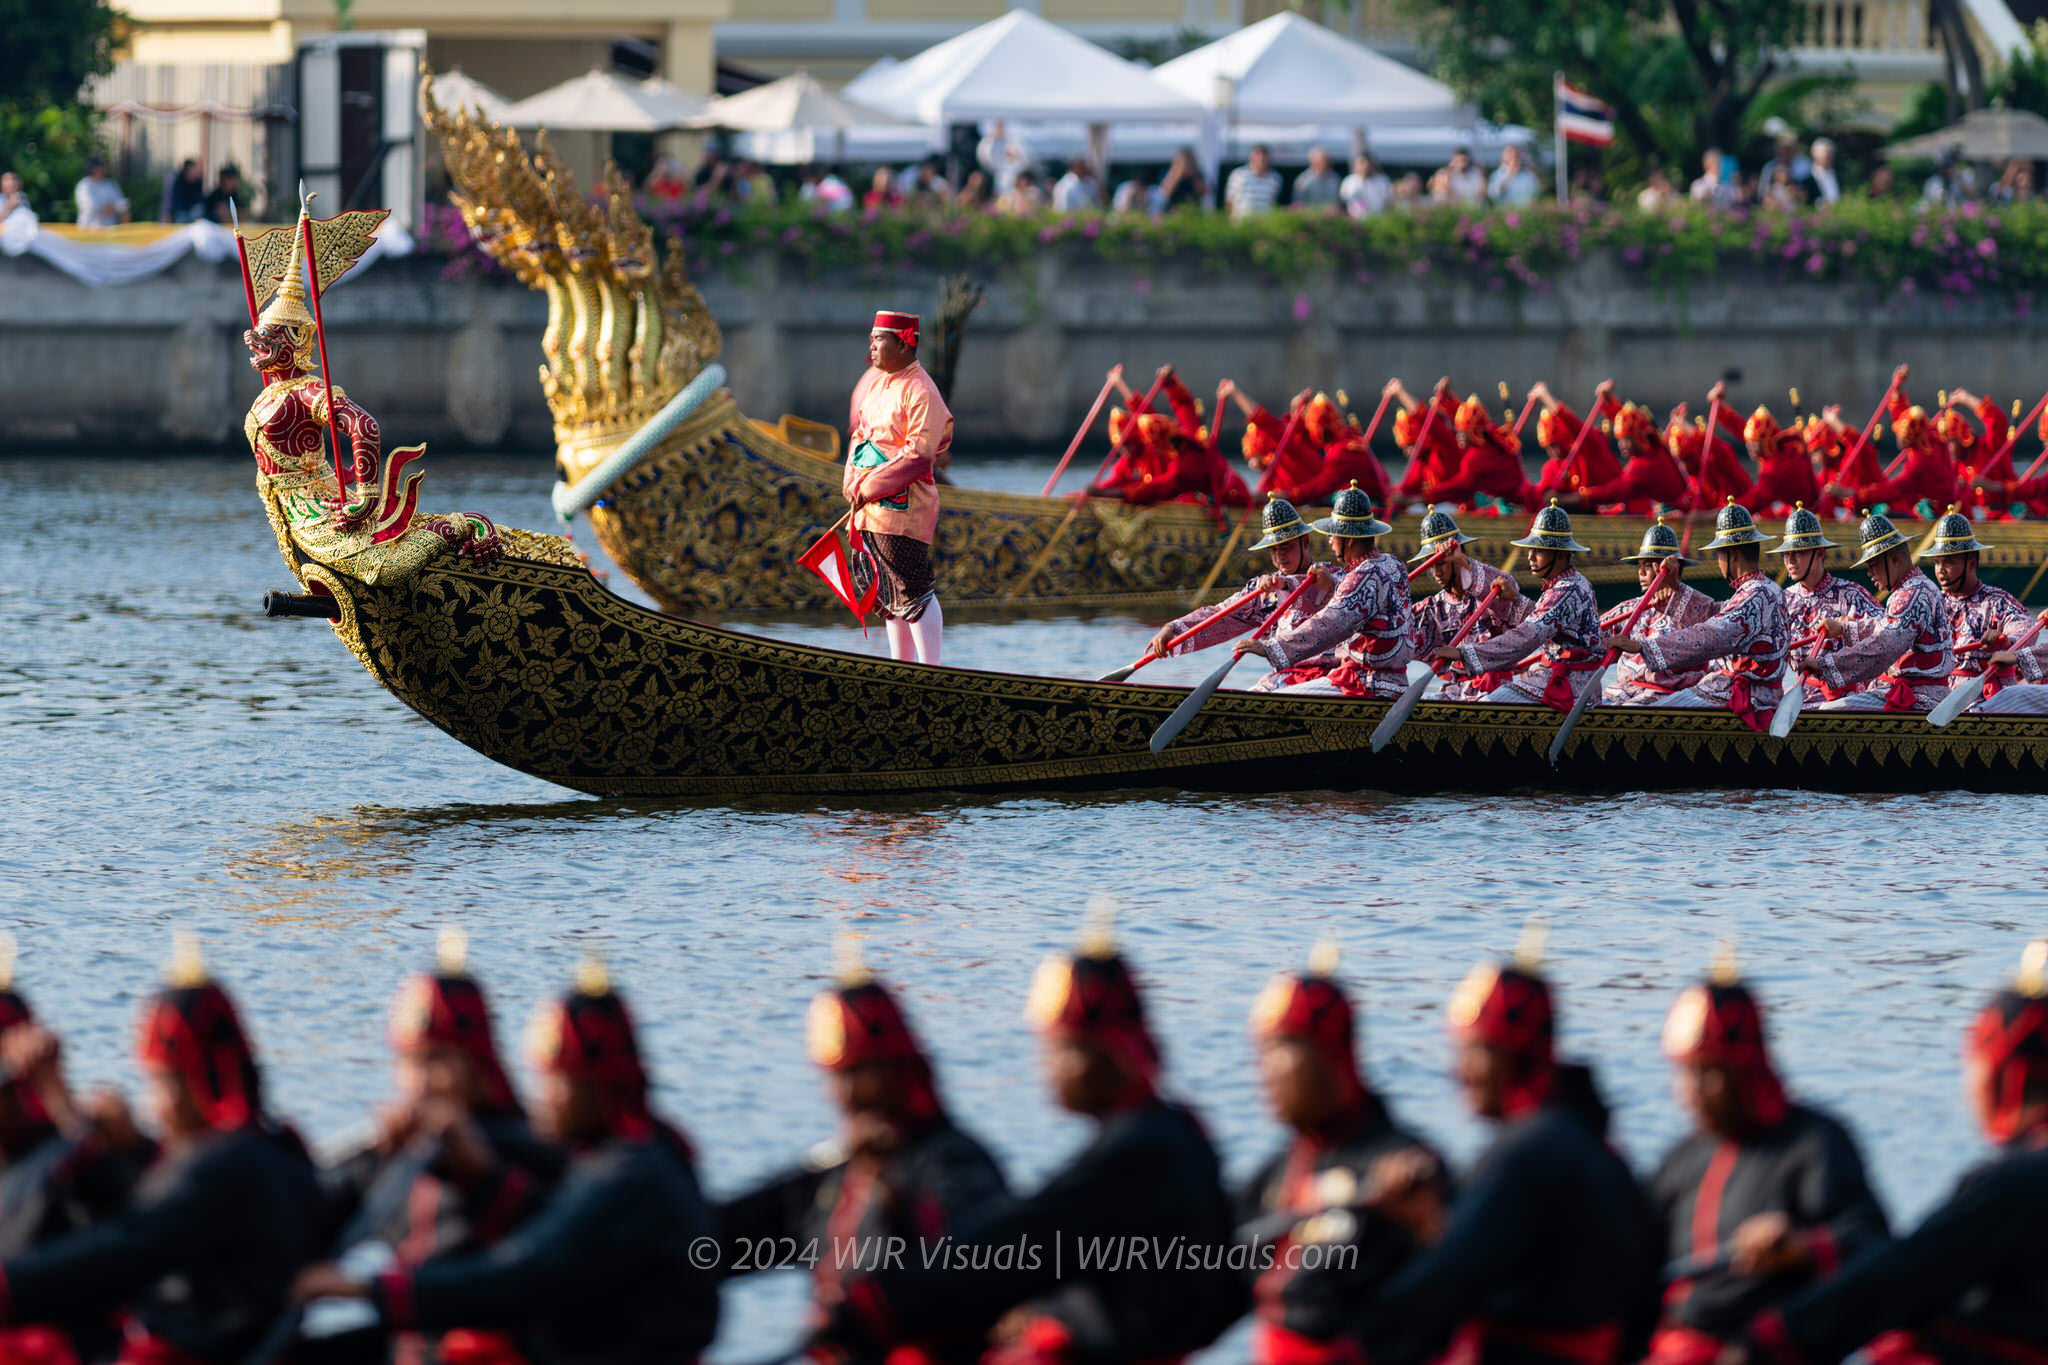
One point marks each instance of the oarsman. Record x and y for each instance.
(1715, 470)
(2011, 490)
(1928, 474)
(1186, 469)
(1148, 1175)
(603, 1272)
(1557, 431)
(1742, 646)
(1814, 595)
(1551, 653)
(1136, 461)
(1900, 661)
(1488, 463)
(1560, 1278)
(1462, 584)
(454, 1165)
(201, 1258)
(1763, 1198)
(1438, 460)
(1185, 407)
(1300, 461)
(900, 1174)
(1969, 1286)
(1287, 541)
(1357, 644)
(1321, 1250)
(1979, 459)
(2027, 697)
(1650, 478)
(1982, 618)
(901, 430)
(1347, 459)
(1673, 606)
(1784, 468)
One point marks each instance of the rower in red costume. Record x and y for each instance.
(1814, 595)
(1288, 542)
(1137, 460)
(200, 1261)
(1839, 456)
(1900, 661)
(1462, 583)
(1300, 462)
(1148, 1174)
(1320, 1250)
(1716, 470)
(1550, 654)
(1188, 469)
(1784, 468)
(1543, 1257)
(1651, 478)
(1357, 643)
(1557, 431)
(1676, 606)
(1441, 454)
(1764, 1198)
(1979, 458)
(1347, 460)
(1969, 1286)
(900, 1174)
(1928, 474)
(2029, 493)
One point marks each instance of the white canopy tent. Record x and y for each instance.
(454, 90)
(797, 119)
(1288, 70)
(605, 102)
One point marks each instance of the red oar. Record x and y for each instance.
(248, 283)
(2012, 439)
(1170, 730)
(1432, 561)
(1592, 686)
(326, 385)
(1571, 459)
(1080, 435)
(1190, 633)
(1252, 509)
(1397, 714)
(1523, 420)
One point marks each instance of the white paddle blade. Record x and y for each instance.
(1787, 714)
(1959, 699)
(1168, 732)
(1587, 694)
(1397, 714)
(1118, 674)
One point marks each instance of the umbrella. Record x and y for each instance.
(603, 102)
(1982, 135)
(1287, 69)
(792, 104)
(453, 90)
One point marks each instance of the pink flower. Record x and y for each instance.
(1987, 248)
(1816, 263)
(1301, 308)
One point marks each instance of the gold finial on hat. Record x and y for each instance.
(1507, 413)
(848, 967)
(591, 977)
(1354, 484)
(1553, 500)
(1529, 948)
(2033, 977)
(1322, 959)
(451, 950)
(7, 954)
(1941, 397)
(1865, 512)
(187, 968)
(2015, 408)
(1344, 398)
(1724, 972)
(1503, 390)
(1793, 393)
(1098, 924)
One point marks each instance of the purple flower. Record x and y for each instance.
(1987, 248)
(1141, 286)
(1633, 254)
(1093, 229)
(1301, 308)
(1512, 218)
(1816, 263)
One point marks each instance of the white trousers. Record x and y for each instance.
(2014, 699)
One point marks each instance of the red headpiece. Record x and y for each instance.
(1719, 1023)
(2010, 1040)
(1633, 423)
(1953, 427)
(190, 1028)
(588, 1035)
(858, 1023)
(1554, 429)
(14, 1010)
(1322, 419)
(447, 1009)
(1761, 427)
(1118, 421)
(1471, 417)
(1258, 445)
(1312, 1006)
(1508, 1007)
(1091, 997)
(1408, 426)
(901, 325)
(1154, 427)
(1911, 425)
(2041, 427)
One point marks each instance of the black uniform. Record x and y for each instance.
(1806, 1166)
(1546, 1256)
(405, 1201)
(1305, 1197)
(1971, 1283)
(203, 1256)
(601, 1274)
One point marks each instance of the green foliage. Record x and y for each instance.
(1925, 109)
(49, 149)
(2023, 83)
(52, 46)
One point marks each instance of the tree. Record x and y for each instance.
(52, 47)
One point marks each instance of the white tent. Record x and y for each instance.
(1024, 68)
(794, 103)
(454, 90)
(604, 102)
(1288, 70)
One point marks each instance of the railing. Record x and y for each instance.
(1866, 26)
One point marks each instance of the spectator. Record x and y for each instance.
(184, 194)
(1460, 182)
(752, 185)
(1183, 185)
(881, 191)
(1821, 175)
(713, 174)
(1950, 183)
(927, 183)
(1408, 191)
(665, 187)
(1883, 184)
(2015, 183)
(1713, 186)
(1136, 195)
(1748, 191)
(1026, 195)
(1779, 192)
(1254, 187)
(823, 187)
(1512, 182)
(1004, 156)
(1659, 195)
(1318, 187)
(1367, 189)
(13, 198)
(973, 194)
(100, 201)
(1075, 191)
(226, 187)
(1785, 154)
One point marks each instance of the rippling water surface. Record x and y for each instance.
(170, 756)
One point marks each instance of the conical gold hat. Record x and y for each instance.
(289, 307)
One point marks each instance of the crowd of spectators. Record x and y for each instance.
(100, 202)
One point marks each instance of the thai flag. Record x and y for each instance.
(1581, 118)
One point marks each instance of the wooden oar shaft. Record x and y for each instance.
(1080, 435)
(1237, 532)
(1051, 543)
(1183, 715)
(1177, 641)
(2012, 439)
(1571, 459)
(1523, 420)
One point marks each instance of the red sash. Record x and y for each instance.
(1559, 694)
(1273, 1344)
(1682, 1346)
(1900, 695)
(465, 1347)
(1741, 678)
(36, 1345)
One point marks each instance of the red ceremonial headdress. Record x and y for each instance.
(1322, 419)
(1633, 423)
(446, 1008)
(1507, 1007)
(1408, 426)
(1118, 420)
(901, 325)
(1554, 429)
(2010, 1040)
(190, 1029)
(1471, 417)
(1761, 427)
(1312, 1006)
(2041, 427)
(1154, 427)
(588, 1035)
(1258, 445)
(1719, 1023)
(1091, 997)
(1953, 427)
(858, 1023)
(1910, 425)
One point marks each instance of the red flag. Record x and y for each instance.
(828, 560)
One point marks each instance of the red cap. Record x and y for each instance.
(1719, 1023)
(447, 1008)
(190, 1028)
(588, 1034)
(1507, 1007)
(1092, 997)
(858, 1023)
(1312, 1006)
(902, 325)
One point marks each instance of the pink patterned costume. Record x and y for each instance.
(1443, 614)
(1742, 647)
(1989, 611)
(1900, 661)
(1808, 607)
(1636, 683)
(1564, 626)
(1220, 625)
(1358, 645)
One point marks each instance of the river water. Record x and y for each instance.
(170, 757)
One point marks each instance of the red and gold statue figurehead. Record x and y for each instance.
(281, 342)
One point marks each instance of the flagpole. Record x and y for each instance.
(1557, 128)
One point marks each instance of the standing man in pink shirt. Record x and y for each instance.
(899, 432)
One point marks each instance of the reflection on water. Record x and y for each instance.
(171, 756)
